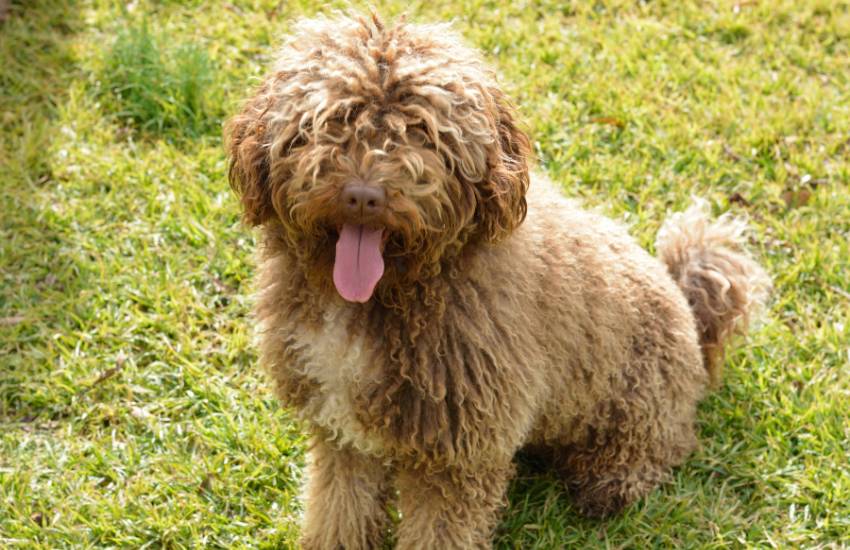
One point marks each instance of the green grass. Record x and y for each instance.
(155, 88)
(131, 408)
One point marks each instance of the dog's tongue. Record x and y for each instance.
(358, 264)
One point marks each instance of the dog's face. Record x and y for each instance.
(379, 151)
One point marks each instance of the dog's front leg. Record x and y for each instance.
(345, 499)
(453, 509)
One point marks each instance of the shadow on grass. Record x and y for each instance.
(710, 488)
(38, 63)
(160, 88)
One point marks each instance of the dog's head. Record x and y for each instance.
(380, 151)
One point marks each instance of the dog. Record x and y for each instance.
(430, 306)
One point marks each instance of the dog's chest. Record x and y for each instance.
(340, 361)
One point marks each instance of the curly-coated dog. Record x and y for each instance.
(430, 307)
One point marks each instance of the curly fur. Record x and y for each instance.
(507, 316)
(723, 285)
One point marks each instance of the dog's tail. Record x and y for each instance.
(723, 284)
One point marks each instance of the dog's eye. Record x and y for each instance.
(298, 141)
(344, 116)
(417, 136)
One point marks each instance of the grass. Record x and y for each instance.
(132, 412)
(155, 88)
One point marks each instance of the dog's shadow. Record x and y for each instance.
(709, 490)
(536, 495)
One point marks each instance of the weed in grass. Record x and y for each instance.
(154, 87)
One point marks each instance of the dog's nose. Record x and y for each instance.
(363, 201)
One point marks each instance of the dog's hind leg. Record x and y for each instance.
(620, 467)
(345, 499)
(599, 492)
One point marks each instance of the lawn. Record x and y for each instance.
(131, 407)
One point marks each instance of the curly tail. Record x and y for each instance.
(723, 284)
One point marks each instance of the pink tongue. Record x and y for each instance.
(358, 264)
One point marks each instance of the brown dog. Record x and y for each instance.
(429, 307)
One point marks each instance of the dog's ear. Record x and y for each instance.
(502, 206)
(245, 135)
